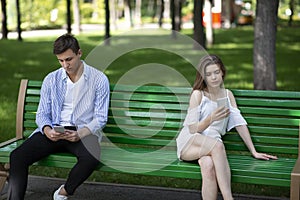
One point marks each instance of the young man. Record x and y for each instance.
(74, 95)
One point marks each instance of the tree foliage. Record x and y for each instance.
(36, 14)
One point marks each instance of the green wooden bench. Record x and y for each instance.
(143, 124)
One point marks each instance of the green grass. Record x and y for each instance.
(33, 59)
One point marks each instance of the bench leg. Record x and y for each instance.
(295, 184)
(3, 175)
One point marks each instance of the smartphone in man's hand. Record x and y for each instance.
(62, 129)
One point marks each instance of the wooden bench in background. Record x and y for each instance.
(143, 124)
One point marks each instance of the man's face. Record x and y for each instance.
(70, 61)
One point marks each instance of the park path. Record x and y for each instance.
(85, 29)
(42, 188)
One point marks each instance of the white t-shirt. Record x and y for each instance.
(72, 92)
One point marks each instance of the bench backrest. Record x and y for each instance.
(152, 116)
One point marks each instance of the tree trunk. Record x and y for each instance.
(167, 10)
(175, 16)
(4, 20)
(291, 4)
(107, 23)
(127, 13)
(76, 14)
(138, 12)
(95, 13)
(264, 50)
(209, 28)
(113, 13)
(19, 21)
(161, 7)
(172, 5)
(69, 28)
(178, 16)
(198, 26)
(227, 16)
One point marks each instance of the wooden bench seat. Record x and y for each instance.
(143, 124)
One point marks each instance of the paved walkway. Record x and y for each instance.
(86, 28)
(42, 188)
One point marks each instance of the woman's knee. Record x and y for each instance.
(218, 148)
(207, 167)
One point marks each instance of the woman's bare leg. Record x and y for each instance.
(197, 149)
(209, 179)
(222, 169)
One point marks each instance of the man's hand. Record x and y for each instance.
(72, 136)
(52, 134)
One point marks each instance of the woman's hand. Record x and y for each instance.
(264, 156)
(219, 113)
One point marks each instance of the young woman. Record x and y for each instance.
(200, 138)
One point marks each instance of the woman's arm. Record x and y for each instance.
(245, 135)
(193, 113)
(200, 126)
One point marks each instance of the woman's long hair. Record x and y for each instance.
(207, 60)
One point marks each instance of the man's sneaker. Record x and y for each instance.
(57, 196)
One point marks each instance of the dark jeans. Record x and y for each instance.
(38, 146)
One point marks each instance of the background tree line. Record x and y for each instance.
(32, 14)
(52, 13)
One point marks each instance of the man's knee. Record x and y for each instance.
(90, 160)
(15, 155)
(94, 162)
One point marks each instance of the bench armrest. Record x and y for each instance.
(295, 175)
(20, 108)
(295, 181)
(7, 142)
(296, 169)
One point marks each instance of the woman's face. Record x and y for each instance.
(213, 76)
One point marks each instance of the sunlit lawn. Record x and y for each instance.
(33, 59)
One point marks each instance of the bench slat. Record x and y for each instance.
(139, 130)
(270, 111)
(263, 148)
(147, 114)
(272, 121)
(140, 105)
(268, 103)
(267, 93)
(150, 89)
(288, 132)
(148, 97)
(264, 139)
